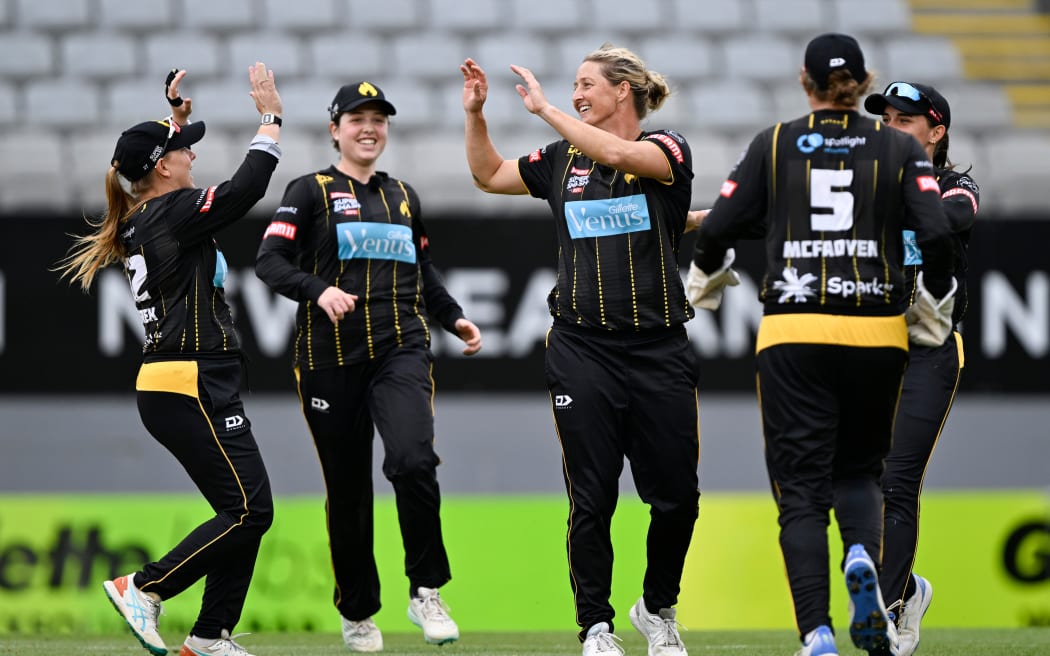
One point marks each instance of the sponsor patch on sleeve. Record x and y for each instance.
(207, 197)
(535, 156)
(959, 191)
(672, 145)
(928, 183)
(280, 229)
(728, 187)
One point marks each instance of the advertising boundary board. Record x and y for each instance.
(55, 339)
(55, 551)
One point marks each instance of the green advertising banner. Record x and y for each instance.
(508, 562)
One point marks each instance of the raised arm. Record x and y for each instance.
(490, 171)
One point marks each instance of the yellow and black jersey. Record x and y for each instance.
(618, 236)
(961, 197)
(832, 193)
(368, 239)
(175, 268)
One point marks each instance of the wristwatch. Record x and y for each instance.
(271, 119)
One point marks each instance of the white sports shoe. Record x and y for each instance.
(362, 636)
(600, 642)
(911, 614)
(660, 630)
(429, 612)
(819, 642)
(222, 646)
(138, 610)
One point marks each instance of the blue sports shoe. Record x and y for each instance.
(819, 642)
(870, 626)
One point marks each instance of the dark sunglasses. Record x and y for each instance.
(906, 90)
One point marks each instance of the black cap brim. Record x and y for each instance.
(384, 106)
(186, 136)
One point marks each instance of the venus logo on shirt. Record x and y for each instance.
(610, 216)
(912, 252)
(375, 241)
(221, 270)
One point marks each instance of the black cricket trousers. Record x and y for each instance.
(632, 395)
(827, 416)
(193, 408)
(343, 407)
(926, 399)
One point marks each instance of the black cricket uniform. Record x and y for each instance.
(830, 193)
(930, 383)
(188, 386)
(371, 370)
(620, 370)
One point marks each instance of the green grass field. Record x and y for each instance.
(935, 642)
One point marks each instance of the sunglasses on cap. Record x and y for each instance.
(906, 90)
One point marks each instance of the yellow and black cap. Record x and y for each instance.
(912, 98)
(832, 52)
(351, 96)
(140, 146)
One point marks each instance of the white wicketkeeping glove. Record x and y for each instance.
(705, 291)
(930, 320)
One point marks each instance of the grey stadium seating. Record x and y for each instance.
(73, 73)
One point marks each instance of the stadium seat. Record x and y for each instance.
(496, 53)
(338, 58)
(553, 17)
(1007, 182)
(141, 17)
(25, 55)
(46, 102)
(199, 56)
(791, 17)
(45, 16)
(928, 58)
(762, 57)
(430, 55)
(98, 55)
(226, 16)
(681, 58)
(302, 16)
(710, 17)
(8, 111)
(397, 16)
(863, 19)
(466, 16)
(275, 49)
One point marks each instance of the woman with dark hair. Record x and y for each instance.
(349, 245)
(188, 386)
(933, 371)
(830, 193)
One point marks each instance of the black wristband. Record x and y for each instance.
(177, 100)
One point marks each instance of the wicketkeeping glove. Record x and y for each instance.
(704, 290)
(930, 320)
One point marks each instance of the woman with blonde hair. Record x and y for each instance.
(621, 372)
(161, 231)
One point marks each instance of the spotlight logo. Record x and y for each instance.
(808, 143)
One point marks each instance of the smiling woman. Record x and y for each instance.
(621, 374)
(188, 385)
(348, 244)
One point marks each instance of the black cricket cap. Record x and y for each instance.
(832, 52)
(140, 146)
(902, 97)
(351, 96)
